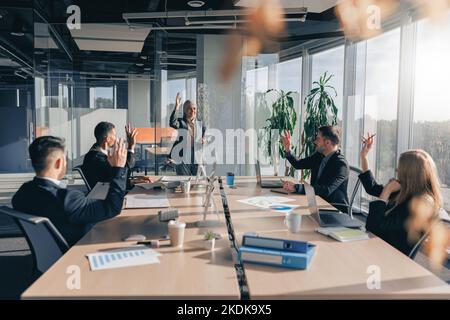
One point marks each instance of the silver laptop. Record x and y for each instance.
(328, 218)
(266, 183)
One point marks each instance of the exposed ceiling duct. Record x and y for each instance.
(206, 19)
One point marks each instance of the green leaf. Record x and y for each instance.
(319, 106)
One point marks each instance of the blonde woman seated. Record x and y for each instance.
(408, 205)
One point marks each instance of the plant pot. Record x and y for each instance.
(209, 244)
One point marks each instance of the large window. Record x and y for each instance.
(102, 97)
(381, 100)
(289, 75)
(332, 62)
(289, 78)
(187, 87)
(431, 126)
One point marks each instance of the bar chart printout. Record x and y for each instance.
(123, 257)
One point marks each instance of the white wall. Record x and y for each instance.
(139, 102)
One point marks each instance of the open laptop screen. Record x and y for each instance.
(258, 173)
(311, 197)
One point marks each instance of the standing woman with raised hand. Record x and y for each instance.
(191, 136)
(407, 206)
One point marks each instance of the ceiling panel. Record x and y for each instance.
(109, 37)
(316, 6)
(109, 45)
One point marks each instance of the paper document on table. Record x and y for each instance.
(266, 202)
(146, 201)
(344, 234)
(175, 178)
(123, 257)
(99, 192)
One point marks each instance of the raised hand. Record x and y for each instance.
(367, 144)
(178, 100)
(131, 136)
(286, 141)
(117, 157)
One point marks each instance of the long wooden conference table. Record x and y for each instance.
(338, 270)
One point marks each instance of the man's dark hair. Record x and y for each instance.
(331, 133)
(41, 148)
(101, 131)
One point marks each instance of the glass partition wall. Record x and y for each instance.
(16, 90)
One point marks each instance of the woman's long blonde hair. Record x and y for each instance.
(420, 186)
(418, 177)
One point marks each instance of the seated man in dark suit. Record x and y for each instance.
(329, 169)
(70, 211)
(96, 167)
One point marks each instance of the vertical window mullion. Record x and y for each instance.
(406, 85)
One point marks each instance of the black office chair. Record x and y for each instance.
(80, 171)
(46, 243)
(354, 185)
(354, 181)
(167, 142)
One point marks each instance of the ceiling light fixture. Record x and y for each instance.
(17, 34)
(17, 28)
(196, 3)
(140, 64)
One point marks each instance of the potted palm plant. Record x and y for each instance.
(283, 118)
(320, 110)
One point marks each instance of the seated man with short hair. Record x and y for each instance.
(329, 168)
(96, 167)
(70, 211)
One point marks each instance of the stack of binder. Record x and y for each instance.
(276, 252)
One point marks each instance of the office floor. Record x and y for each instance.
(16, 263)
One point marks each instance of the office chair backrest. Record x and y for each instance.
(167, 142)
(46, 243)
(80, 171)
(353, 187)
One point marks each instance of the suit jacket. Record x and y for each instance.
(70, 211)
(332, 184)
(390, 227)
(96, 167)
(180, 123)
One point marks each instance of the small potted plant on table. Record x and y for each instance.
(209, 240)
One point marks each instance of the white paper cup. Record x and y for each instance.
(176, 233)
(185, 186)
(293, 221)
